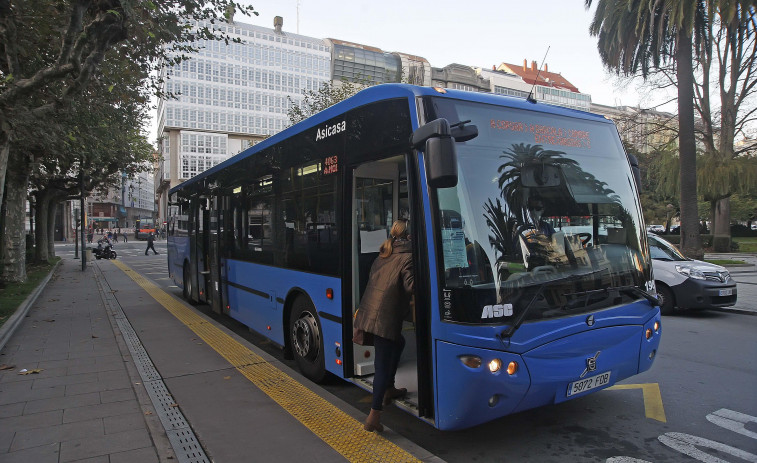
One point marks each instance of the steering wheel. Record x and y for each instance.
(585, 238)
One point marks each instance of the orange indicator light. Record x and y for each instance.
(330, 293)
(512, 367)
(338, 361)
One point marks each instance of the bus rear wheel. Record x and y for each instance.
(306, 339)
(187, 282)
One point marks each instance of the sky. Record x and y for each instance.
(473, 32)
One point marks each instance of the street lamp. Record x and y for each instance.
(76, 234)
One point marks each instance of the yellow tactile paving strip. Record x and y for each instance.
(339, 430)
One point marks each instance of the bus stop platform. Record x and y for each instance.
(108, 367)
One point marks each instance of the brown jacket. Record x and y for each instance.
(387, 296)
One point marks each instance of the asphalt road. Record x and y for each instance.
(705, 372)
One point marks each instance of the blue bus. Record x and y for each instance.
(533, 276)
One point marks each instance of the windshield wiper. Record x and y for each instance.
(586, 296)
(636, 291)
(508, 333)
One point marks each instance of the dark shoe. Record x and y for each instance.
(394, 393)
(373, 422)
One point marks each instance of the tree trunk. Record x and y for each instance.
(691, 242)
(40, 232)
(14, 236)
(5, 145)
(721, 229)
(52, 208)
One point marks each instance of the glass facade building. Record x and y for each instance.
(230, 96)
(356, 64)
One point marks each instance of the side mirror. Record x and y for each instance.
(441, 162)
(438, 138)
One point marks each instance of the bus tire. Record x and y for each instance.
(666, 298)
(306, 339)
(187, 282)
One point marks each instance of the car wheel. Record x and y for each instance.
(667, 300)
(306, 339)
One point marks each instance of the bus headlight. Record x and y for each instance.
(656, 327)
(495, 365)
(471, 361)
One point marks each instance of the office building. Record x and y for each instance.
(231, 96)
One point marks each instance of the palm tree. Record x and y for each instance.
(641, 35)
(519, 156)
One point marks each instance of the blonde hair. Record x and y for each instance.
(399, 230)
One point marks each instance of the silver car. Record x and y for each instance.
(686, 283)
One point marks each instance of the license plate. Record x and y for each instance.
(588, 383)
(725, 292)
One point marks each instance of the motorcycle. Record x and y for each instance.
(104, 250)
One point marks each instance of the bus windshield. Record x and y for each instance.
(544, 216)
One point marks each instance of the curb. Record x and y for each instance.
(7, 330)
(733, 310)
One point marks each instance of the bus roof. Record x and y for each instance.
(384, 92)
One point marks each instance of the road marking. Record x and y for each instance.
(733, 421)
(652, 399)
(339, 430)
(686, 444)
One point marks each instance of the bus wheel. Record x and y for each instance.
(306, 339)
(187, 281)
(667, 301)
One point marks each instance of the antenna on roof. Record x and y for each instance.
(530, 98)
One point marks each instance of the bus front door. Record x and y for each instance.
(379, 197)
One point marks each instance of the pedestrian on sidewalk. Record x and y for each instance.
(150, 243)
(382, 309)
(115, 236)
(125, 237)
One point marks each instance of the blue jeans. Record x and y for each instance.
(387, 360)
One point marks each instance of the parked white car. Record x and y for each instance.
(656, 228)
(686, 283)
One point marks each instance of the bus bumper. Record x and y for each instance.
(564, 369)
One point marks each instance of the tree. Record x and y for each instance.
(731, 49)
(328, 94)
(634, 37)
(50, 57)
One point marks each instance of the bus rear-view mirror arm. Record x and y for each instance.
(437, 139)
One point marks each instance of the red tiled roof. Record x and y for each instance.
(549, 79)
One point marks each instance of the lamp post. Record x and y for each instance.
(76, 235)
(81, 212)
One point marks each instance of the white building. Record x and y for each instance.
(231, 96)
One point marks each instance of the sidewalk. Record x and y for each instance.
(78, 400)
(746, 281)
(93, 399)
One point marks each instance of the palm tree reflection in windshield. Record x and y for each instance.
(524, 244)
